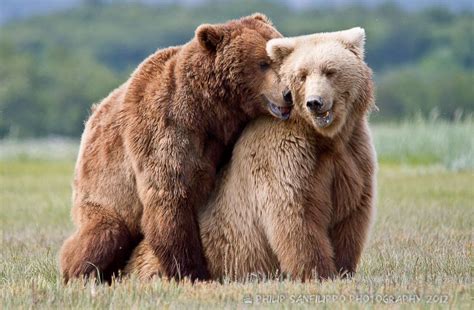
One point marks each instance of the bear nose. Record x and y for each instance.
(287, 96)
(314, 103)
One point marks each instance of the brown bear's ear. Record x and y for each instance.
(261, 17)
(209, 36)
(278, 49)
(354, 40)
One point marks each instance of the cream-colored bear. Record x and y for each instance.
(298, 196)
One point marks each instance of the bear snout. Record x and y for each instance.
(315, 103)
(318, 104)
(287, 97)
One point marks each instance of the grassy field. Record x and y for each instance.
(420, 252)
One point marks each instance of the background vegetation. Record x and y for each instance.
(54, 67)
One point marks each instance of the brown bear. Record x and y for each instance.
(150, 150)
(298, 196)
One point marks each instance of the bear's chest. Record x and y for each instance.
(292, 161)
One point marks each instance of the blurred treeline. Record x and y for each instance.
(52, 68)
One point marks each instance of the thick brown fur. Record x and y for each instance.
(151, 149)
(297, 198)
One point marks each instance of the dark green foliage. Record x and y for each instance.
(52, 68)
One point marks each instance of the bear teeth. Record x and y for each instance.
(323, 115)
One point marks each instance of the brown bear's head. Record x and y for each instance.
(243, 73)
(327, 76)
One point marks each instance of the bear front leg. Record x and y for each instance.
(170, 228)
(172, 184)
(301, 244)
(99, 248)
(173, 179)
(349, 237)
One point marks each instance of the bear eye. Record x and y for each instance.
(329, 72)
(302, 77)
(264, 65)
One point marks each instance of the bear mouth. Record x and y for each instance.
(280, 112)
(324, 119)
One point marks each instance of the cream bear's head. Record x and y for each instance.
(327, 76)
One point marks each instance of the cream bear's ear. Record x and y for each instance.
(278, 49)
(209, 36)
(354, 39)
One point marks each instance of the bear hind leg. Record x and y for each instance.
(98, 249)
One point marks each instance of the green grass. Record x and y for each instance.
(423, 142)
(421, 244)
